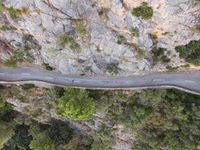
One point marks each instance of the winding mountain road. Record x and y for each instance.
(186, 81)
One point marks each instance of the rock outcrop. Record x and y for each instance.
(104, 22)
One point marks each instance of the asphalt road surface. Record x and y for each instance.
(187, 81)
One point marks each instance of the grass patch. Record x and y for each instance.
(12, 62)
(81, 30)
(144, 11)
(24, 54)
(190, 52)
(19, 57)
(64, 40)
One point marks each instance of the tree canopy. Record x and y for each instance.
(190, 52)
(76, 104)
(162, 119)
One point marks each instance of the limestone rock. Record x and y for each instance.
(106, 22)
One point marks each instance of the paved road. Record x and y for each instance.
(187, 81)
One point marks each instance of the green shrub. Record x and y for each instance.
(159, 56)
(17, 57)
(2, 7)
(112, 69)
(76, 104)
(171, 68)
(190, 52)
(158, 51)
(14, 13)
(144, 11)
(104, 135)
(99, 146)
(22, 55)
(73, 45)
(28, 86)
(134, 32)
(4, 106)
(6, 28)
(176, 67)
(141, 53)
(64, 40)
(198, 28)
(47, 67)
(121, 39)
(6, 132)
(41, 142)
(11, 63)
(165, 59)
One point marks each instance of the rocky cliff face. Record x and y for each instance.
(105, 32)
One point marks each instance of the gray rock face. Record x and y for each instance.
(105, 22)
(72, 8)
(18, 3)
(133, 21)
(5, 51)
(145, 41)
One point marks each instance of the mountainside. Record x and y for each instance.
(98, 37)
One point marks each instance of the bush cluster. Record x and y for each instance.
(161, 119)
(144, 11)
(190, 52)
(47, 67)
(112, 69)
(198, 28)
(159, 56)
(76, 104)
